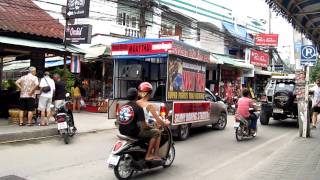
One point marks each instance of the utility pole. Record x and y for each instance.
(144, 6)
(270, 51)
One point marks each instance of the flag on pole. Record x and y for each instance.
(75, 65)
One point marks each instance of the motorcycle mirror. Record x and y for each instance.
(51, 106)
(67, 94)
(170, 113)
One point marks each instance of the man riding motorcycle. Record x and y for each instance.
(244, 104)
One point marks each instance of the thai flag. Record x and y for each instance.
(75, 65)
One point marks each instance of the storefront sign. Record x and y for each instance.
(259, 58)
(78, 8)
(185, 112)
(166, 46)
(141, 48)
(79, 34)
(186, 80)
(266, 40)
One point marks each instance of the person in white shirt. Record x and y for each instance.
(47, 88)
(316, 104)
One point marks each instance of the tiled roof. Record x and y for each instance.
(23, 16)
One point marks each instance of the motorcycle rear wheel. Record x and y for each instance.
(239, 135)
(66, 138)
(127, 172)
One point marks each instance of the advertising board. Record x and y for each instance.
(186, 79)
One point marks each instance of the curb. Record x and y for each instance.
(39, 135)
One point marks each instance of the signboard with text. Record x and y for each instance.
(259, 58)
(160, 47)
(308, 55)
(79, 34)
(78, 8)
(186, 112)
(266, 40)
(186, 79)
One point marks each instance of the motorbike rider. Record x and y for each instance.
(244, 104)
(151, 117)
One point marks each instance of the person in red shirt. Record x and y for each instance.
(244, 104)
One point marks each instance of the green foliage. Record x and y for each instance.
(9, 85)
(69, 77)
(315, 73)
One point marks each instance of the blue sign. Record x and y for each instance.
(308, 55)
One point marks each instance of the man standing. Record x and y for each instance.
(27, 85)
(316, 104)
(59, 95)
(47, 88)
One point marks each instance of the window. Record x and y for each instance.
(134, 22)
(127, 21)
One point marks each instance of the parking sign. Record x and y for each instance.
(308, 55)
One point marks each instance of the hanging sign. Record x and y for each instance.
(259, 58)
(78, 8)
(266, 40)
(79, 34)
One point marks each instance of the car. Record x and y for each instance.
(281, 101)
(218, 117)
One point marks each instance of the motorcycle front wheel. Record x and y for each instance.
(170, 157)
(239, 134)
(124, 170)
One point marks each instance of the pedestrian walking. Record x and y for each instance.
(60, 92)
(47, 88)
(316, 104)
(76, 96)
(27, 85)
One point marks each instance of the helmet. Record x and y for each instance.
(145, 87)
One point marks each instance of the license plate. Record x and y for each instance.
(277, 110)
(62, 125)
(113, 160)
(236, 124)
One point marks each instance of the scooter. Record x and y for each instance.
(242, 125)
(128, 155)
(64, 118)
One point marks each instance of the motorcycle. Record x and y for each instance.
(242, 127)
(231, 108)
(128, 154)
(64, 118)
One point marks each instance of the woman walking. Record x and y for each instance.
(76, 96)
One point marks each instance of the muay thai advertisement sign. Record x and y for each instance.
(185, 112)
(186, 79)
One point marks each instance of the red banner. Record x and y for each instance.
(141, 48)
(266, 40)
(259, 58)
(190, 111)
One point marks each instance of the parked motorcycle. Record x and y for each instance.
(128, 155)
(64, 118)
(242, 126)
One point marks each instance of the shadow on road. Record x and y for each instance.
(288, 123)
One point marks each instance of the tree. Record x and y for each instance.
(315, 73)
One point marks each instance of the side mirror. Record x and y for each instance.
(51, 106)
(170, 113)
(67, 94)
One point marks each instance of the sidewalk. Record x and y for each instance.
(86, 122)
(299, 159)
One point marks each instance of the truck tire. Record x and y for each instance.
(183, 132)
(264, 118)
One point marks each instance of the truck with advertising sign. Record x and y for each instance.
(177, 72)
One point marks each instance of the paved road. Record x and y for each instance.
(206, 154)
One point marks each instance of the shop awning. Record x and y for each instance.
(97, 51)
(40, 44)
(215, 60)
(262, 72)
(239, 32)
(303, 14)
(23, 64)
(232, 61)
